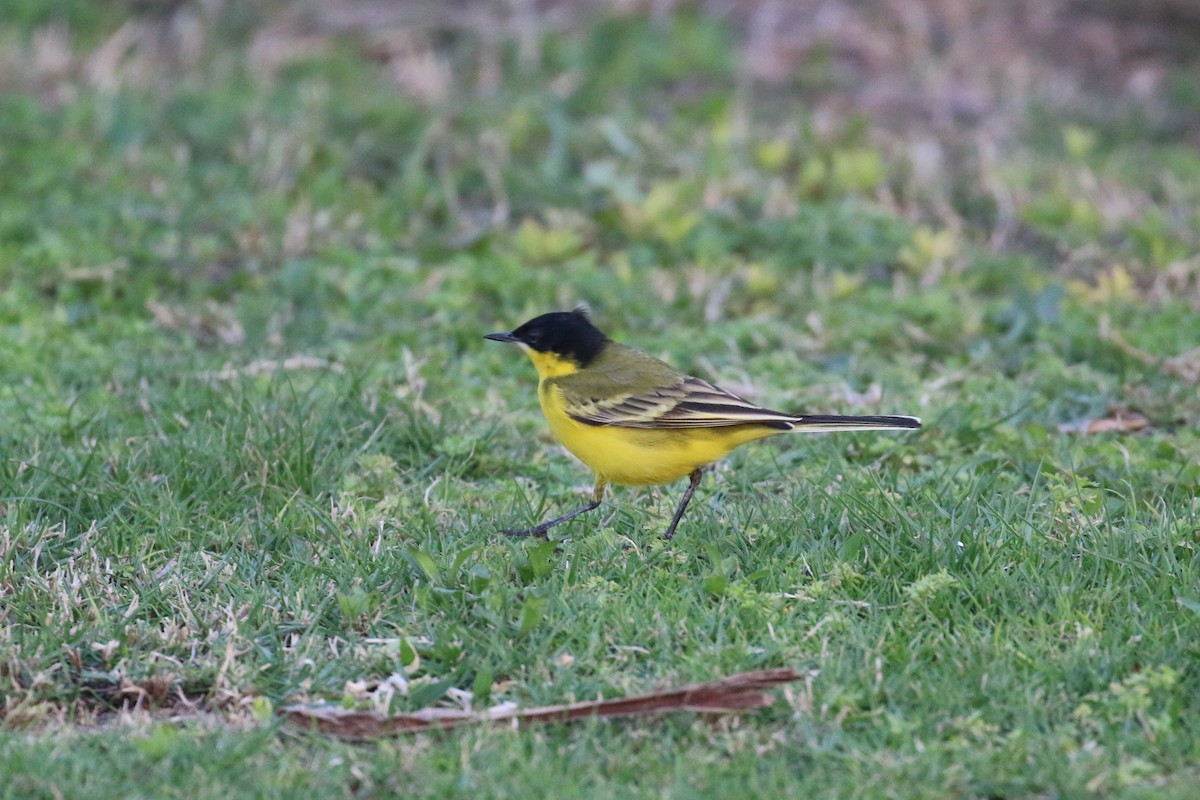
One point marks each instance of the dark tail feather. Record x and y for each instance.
(816, 423)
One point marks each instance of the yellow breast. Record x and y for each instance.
(638, 456)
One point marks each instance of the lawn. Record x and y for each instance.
(255, 452)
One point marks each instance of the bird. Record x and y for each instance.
(637, 421)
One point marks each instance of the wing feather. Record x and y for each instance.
(630, 389)
(690, 403)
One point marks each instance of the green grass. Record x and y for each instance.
(989, 608)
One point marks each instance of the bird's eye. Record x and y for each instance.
(533, 338)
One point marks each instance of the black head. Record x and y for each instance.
(567, 334)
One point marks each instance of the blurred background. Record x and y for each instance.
(472, 116)
(930, 176)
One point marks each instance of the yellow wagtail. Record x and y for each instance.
(636, 421)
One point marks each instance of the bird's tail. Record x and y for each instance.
(819, 423)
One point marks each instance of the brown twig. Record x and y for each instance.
(735, 693)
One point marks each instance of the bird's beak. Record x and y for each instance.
(501, 337)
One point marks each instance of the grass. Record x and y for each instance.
(253, 450)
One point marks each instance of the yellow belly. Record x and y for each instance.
(638, 456)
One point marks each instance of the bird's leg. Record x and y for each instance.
(687, 498)
(540, 529)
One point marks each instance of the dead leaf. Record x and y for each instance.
(1118, 421)
(735, 693)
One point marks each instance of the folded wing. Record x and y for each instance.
(696, 403)
(691, 403)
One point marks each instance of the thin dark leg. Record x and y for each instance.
(540, 529)
(687, 498)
